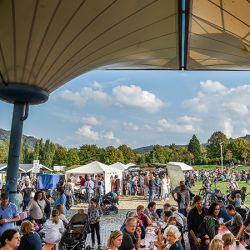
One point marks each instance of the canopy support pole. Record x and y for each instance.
(14, 149)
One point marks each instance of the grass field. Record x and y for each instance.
(211, 167)
(222, 187)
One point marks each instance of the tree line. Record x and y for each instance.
(51, 154)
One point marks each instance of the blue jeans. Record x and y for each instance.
(151, 195)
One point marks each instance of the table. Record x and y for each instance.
(224, 230)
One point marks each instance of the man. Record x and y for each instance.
(236, 223)
(26, 192)
(131, 235)
(146, 182)
(150, 211)
(194, 219)
(245, 224)
(117, 186)
(90, 188)
(8, 214)
(151, 187)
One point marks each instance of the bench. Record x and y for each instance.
(48, 246)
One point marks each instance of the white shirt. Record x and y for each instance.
(53, 232)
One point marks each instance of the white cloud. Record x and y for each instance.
(90, 120)
(96, 85)
(185, 124)
(134, 97)
(74, 97)
(212, 86)
(130, 126)
(87, 132)
(85, 95)
(221, 108)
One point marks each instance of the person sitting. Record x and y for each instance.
(131, 235)
(114, 240)
(10, 239)
(228, 240)
(144, 219)
(216, 244)
(236, 223)
(30, 240)
(172, 235)
(150, 211)
(62, 217)
(53, 229)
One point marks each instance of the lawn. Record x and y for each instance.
(211, 167)
(222, 187)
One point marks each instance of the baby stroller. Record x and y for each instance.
(109, 203)
(75, 236)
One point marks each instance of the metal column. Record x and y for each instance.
(14, 149)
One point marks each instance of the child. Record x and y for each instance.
(238, 201)
(35, 225)
(94, 215)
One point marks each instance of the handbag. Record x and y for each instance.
(43, 220)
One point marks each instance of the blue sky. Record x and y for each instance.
(141, 108)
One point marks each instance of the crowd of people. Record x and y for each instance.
(43, 215)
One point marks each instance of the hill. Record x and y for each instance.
(30, 140)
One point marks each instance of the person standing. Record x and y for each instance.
(146, 183)
(8, 214)
(94, 215)
(90, 188)
(26, 192)
(183, 199)
(194, 220)
(165, 187)
(151, 188)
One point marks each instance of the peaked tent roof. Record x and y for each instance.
(119, 166)
(183, 165)
(94, 167)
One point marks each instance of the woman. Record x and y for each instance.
(143, 218)
(61, 199)
(216, 244)
(210, 225)
(115, 240)
(53, 229)
(30, 239)
(36, 207)
(172, 235)
(61, 215)
(228, 240)
(10, 239)
(165, 187)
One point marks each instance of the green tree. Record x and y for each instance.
(129, 154)
(4, 149)
(60, 156)
(240, 149)
(48, 153)
(89, 153)
(112, 155)
(26, 154)
(213, 147)
(38, 150)
(194, 147)
(73, 157)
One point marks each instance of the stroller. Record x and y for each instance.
(109, 203)
(75, 236)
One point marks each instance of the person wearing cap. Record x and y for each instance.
(8, 214)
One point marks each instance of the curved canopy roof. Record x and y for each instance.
(219, 35)
(46, 43)
(49, 42)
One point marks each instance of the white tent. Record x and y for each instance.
(130, 164)
(183, 165)
(96, 167)
(119, 166)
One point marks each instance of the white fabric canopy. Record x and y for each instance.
(96, 167)
(119, 166)
(183, 165)
(130, 164)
